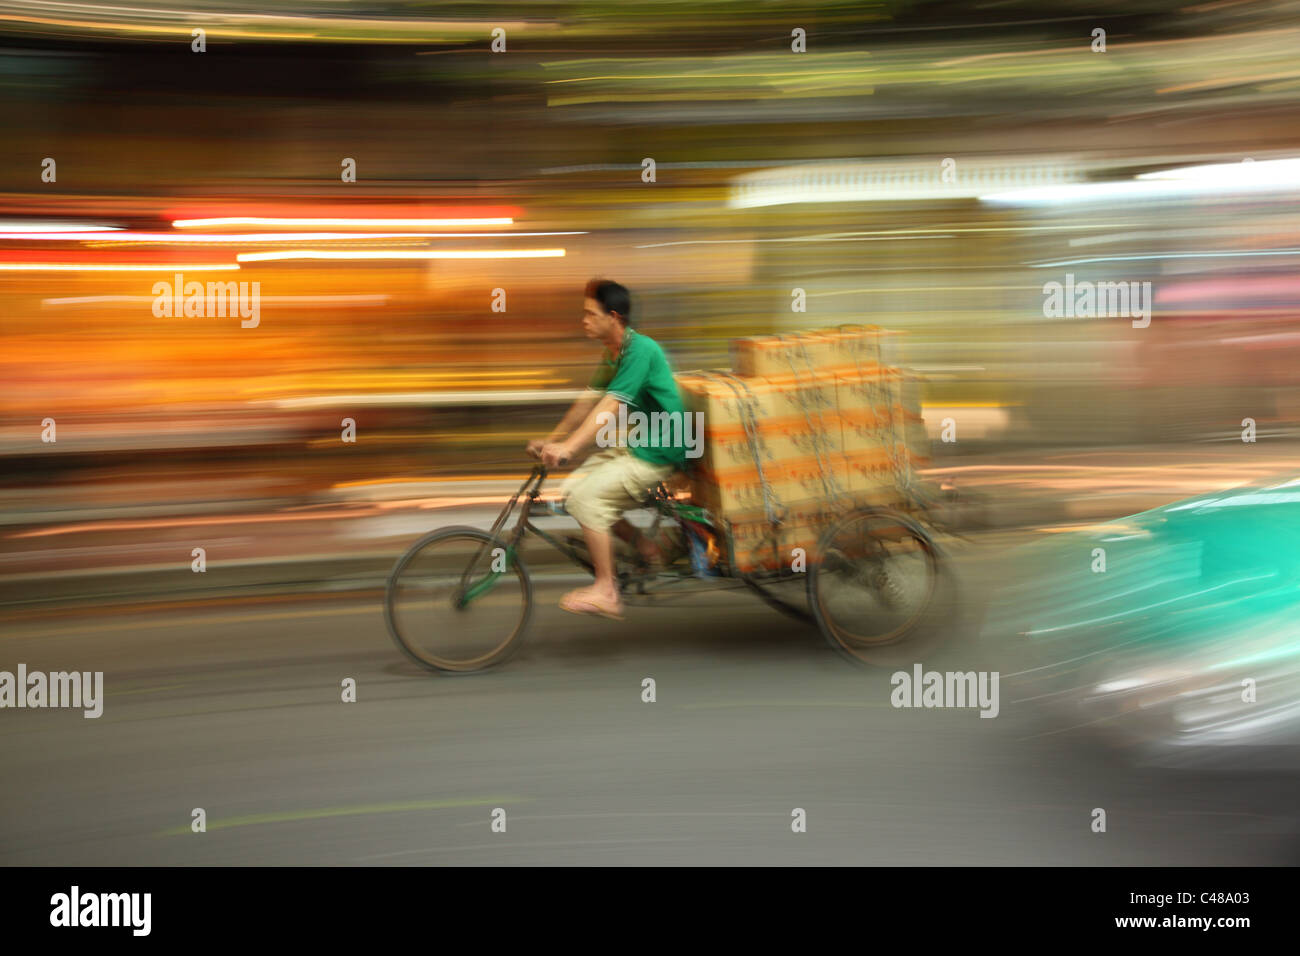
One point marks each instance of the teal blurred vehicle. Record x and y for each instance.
(1175, 632)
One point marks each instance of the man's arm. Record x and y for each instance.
(584, 435)
(576, 414)
(627, 382)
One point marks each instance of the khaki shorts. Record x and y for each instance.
(610, 482)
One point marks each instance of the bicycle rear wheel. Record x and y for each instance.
(457, 602)
(875, 577)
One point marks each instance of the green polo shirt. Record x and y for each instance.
(643, 380)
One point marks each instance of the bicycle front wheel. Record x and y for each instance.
(458, 601)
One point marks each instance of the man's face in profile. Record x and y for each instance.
(596, 322)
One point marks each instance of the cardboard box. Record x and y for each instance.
(727, 474)
(880, 389)
(768, 356)
(757, 545)
(821, 478)
(761, 355)
(727, 448)
(891, 347)
(910, 397)
(722, 397)
(828, 420)
(733, 494)
(917, 440)
(854, 347)
(861, 429)
(872, 476)
(803, 396)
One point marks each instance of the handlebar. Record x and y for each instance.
(537, 456)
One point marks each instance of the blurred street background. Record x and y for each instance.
(420, 214)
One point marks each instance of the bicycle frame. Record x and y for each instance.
(665, 507)
(468, 592)
(504, 541)
(530, 491)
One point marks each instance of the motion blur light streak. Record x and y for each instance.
(513, 397)
(321, 223)
(296, 301)
(1270, 172)
(399, 254)
(113, 267)
(893, 182)
(1281, 180)
(34, 230)
(126, 236)
(265, 26)
(1209, 254)
(722, 242)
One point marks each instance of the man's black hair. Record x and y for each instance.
(612, 298)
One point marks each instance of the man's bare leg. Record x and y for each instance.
(601, 547)
(602, 594)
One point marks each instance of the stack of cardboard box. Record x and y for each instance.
(803, 426)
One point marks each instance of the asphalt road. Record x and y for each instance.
(235, 707)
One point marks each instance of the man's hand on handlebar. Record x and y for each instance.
(555, 454)
(552, 454)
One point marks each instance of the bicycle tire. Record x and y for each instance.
(404, 641)
(857, 647)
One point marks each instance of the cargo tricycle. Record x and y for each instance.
(460, 600)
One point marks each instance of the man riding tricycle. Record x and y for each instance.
(461, 598)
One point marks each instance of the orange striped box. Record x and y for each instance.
(803, 396)
(854, 347)
(757, 545)
(871, 476)
(768, 356)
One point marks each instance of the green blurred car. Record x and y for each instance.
(1175, 632)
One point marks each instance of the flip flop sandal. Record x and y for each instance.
(587, 606)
